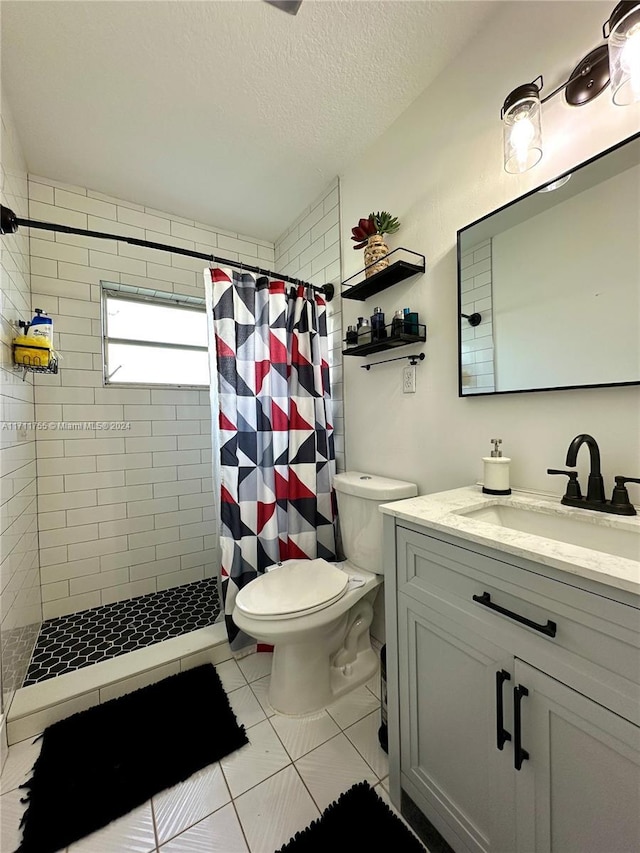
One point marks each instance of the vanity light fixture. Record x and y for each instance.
(521, 127)
(619, 61)
(623, 32)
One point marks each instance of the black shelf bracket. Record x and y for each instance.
(413, 359)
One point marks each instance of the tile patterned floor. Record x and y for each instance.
(254, 800)
(81, 639)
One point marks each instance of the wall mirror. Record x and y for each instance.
(549, 284)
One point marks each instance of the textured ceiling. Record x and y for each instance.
(231, 113)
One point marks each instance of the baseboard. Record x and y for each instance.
(39, 705)
(422, 826)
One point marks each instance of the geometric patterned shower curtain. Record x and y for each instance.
(273, 403)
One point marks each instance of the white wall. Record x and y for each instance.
(309, 249)
(121, 513)
(438, 168)
(21, 611)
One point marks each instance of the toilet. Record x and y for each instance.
(317, 614)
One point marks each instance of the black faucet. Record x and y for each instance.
(595, 487)
(595, 499)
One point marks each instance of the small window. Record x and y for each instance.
(154, 340)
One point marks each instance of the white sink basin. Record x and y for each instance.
(561, 528)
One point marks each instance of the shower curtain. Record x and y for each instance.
(272, 402)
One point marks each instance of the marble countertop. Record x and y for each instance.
(440, 511)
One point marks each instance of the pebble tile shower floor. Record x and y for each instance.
(81, 639)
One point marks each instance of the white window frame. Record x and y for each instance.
(129, 293)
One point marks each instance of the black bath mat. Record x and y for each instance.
(101, 763)
(358, 810)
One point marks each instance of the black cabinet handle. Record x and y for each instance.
(519, 754)
(502, 735)
(549, 629)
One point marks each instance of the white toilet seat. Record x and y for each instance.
(294, 588)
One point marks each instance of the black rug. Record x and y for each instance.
(358, 810)
(101, 763)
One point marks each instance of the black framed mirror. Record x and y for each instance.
(549, 284)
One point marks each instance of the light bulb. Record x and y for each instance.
(522, 134)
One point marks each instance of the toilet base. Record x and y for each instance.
(313, 694)
(309, 675)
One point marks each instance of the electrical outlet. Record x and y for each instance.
(409, 379)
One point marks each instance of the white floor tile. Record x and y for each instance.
(230, 675)
(333, 768)
(364, 736)
(256, 665)
(275, 810)
(11, 811)
(19, 764)
(353, 707)
(302, 734)
(261, 690)
(252, 764)
(374, 684)
(178, 808)
(246, 707)
(132, 833)
(218, 833)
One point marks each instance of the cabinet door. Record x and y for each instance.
(450, 763)
(579, 790)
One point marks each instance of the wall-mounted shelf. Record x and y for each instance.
(31, 363)
(400, 268)
(391, 342)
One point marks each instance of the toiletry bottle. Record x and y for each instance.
(397, 326)
(378, 330)
(41, 328)
(410, 322)
(496, 471)
(364, 332)
(352, 337)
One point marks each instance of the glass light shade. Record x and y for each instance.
(555, 185)
(624, 56)
(522, 135)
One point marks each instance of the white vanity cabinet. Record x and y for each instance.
(514, 698)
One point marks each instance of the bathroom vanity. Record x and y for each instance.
(513, 671)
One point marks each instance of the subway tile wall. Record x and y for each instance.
(310, 250)
(478, 370)
(124, 512)
(21, 611)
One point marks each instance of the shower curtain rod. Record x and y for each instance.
(9, 224)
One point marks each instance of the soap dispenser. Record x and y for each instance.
(496, 471)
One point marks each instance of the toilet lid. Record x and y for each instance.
(294, 588)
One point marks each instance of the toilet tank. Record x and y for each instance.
(359, 496)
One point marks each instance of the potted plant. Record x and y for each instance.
(369, 235)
